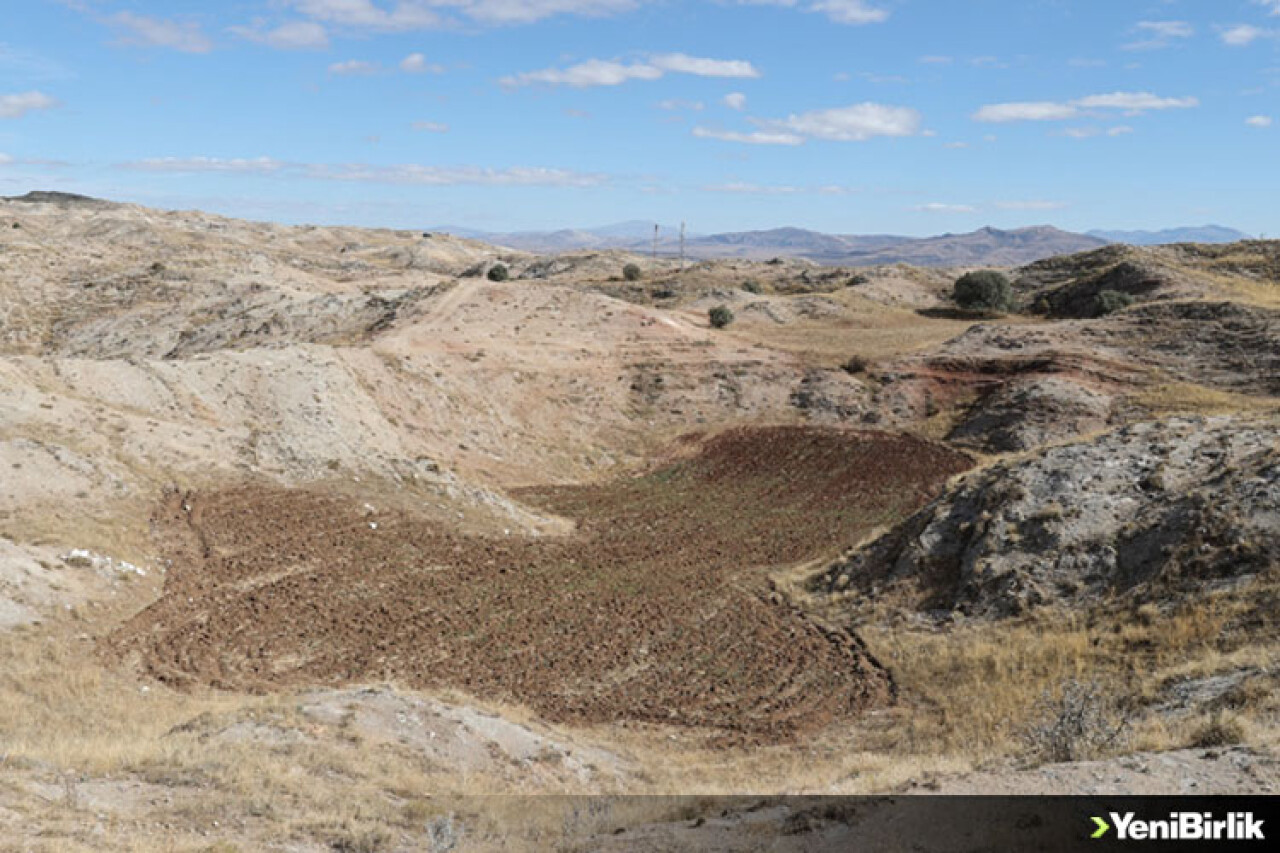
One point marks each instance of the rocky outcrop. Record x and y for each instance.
(1181, 505)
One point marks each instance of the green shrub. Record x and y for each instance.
(632, 272)
(1111, 301)
(858, 279)
(720, 316)
(985, 290)
(751, 286)
(499, 272)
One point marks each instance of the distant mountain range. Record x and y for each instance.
(1201, 234)
(984, 247)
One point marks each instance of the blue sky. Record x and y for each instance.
(853, 116)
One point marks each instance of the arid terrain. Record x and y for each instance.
(311, 535)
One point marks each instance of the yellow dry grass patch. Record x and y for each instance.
(1188, 398)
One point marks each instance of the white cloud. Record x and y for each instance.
(500, 12)
(1025, 111)
(431, 126)
(409, 15)
(940, 207)
(1133, 103)
(593, 72)
(1091, 132)
(676, 105)
(850, 11)
(855, 123)
(255, 166)
(679, 63)
(757, 137)
(353, 67)
(5, 159)
(1154, 35)
(416, 63)
(142, 31)
(1243, 35)
(294, 35)
(854, 12)
(366, 15)
(1272, 6)
(18, 105)
(601, 72)
(1259, 121)
(735, 101)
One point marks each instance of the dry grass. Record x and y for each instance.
(970, 692)
(1187, 398)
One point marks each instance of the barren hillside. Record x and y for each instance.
(303, 524)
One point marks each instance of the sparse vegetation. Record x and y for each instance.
(855, 364)
(720, 317)
(752, 286)
(1111, 301)
(1078, 722)
(858, 279)
(632, 272)
(985, 290)
(499, 272)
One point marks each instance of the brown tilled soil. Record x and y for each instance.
(657, 609)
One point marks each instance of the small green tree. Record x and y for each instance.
(632, 272)
(985, 290)
(720, 316)
(499, 272)
(1111, 301)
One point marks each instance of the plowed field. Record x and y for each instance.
(657, 609)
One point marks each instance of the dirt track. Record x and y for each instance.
(657, 609)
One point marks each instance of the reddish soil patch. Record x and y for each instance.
(656, 609)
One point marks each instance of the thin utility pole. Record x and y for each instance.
(682, 247)
(655, 242)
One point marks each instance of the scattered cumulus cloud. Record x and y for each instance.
(416, 63)
(1156, 35)
(854, 123)
(194, 165)
(941, 207)
(755, 137)
(1259, 121)
(602, 72)
(1090, 132)
(144, 31)
(294, 35)
(852, 12)
(431, 126)
(1025, 111)
(735, 101)
(1132, 103)
(18, 105)
(1272, 6)
(398, 16)
(1243, 35)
